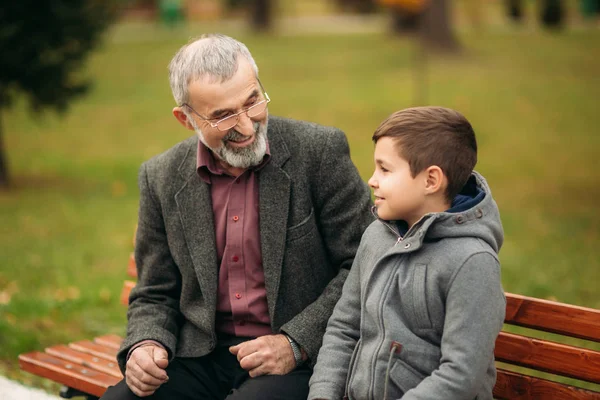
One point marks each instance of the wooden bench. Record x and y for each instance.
(579, 362)
(88, 367)
(85, 368)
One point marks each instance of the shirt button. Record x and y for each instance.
(236, 218)
(235, 258)
(238, 296)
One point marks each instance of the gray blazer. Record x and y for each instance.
(313, 209)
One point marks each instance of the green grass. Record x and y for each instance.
(67, 224)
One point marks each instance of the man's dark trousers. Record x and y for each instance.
(218, 376)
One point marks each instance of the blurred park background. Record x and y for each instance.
(525, 73)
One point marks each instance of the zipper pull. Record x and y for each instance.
(399, 240)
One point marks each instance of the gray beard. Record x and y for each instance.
(244, 157)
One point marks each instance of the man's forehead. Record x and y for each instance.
(226, 94)
(243, 72)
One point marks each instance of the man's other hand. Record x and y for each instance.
(266, 355)
(145, 370)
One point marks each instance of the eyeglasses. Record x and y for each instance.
(232, 120)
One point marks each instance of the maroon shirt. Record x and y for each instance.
(242, 308)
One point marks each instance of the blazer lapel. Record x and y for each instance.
(274, 192)
(195, 211)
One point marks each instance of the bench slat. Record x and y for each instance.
(85, 359)
(550, 316)
(67, 373)
(95, 349)
(544, 355)
(127, 286)
(131, 269)
(514, 386)
(113, 341)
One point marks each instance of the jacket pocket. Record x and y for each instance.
(404, 378)
(422, 319)
(306, 226)
(352, 367)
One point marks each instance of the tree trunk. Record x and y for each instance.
(436, 27)
(404, 23)
(261, 15)
(552, 15)
(3, 161)
(515, 10)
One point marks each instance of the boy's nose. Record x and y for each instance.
(372, 182)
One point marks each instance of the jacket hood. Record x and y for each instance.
(473, 213)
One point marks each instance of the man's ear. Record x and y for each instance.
(435, 180)
(182, 118)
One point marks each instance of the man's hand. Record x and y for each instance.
(266, 355)
(145, 370)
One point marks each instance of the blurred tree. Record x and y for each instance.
(359, 6)
(261, 17)
(552, 13)
(590, 8)
(171, 12)
(235, 3)
(260, 12)
(43, 46)
(430, 19)
(404, 22)
(515, 9)
(436, 28)
(406, 14)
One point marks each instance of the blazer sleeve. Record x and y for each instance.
(342, 204)
(153, 312)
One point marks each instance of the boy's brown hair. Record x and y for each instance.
(427, 136)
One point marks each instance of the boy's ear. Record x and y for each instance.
(435, 180)
(182, 118)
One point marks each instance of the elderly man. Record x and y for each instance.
(246, 234)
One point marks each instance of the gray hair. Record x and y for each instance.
(214, 55)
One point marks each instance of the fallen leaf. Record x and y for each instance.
(73, 293)
(5, 297)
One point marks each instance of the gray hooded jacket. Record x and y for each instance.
(419, 314)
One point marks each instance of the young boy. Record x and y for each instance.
(423, 303)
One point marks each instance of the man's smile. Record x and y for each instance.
(241, 142)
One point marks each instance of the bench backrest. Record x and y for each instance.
(566, 360)
(579, 361)
(129, 284)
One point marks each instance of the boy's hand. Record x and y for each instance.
(266, 355)
(145, 370)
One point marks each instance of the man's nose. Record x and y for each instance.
(245, 125)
